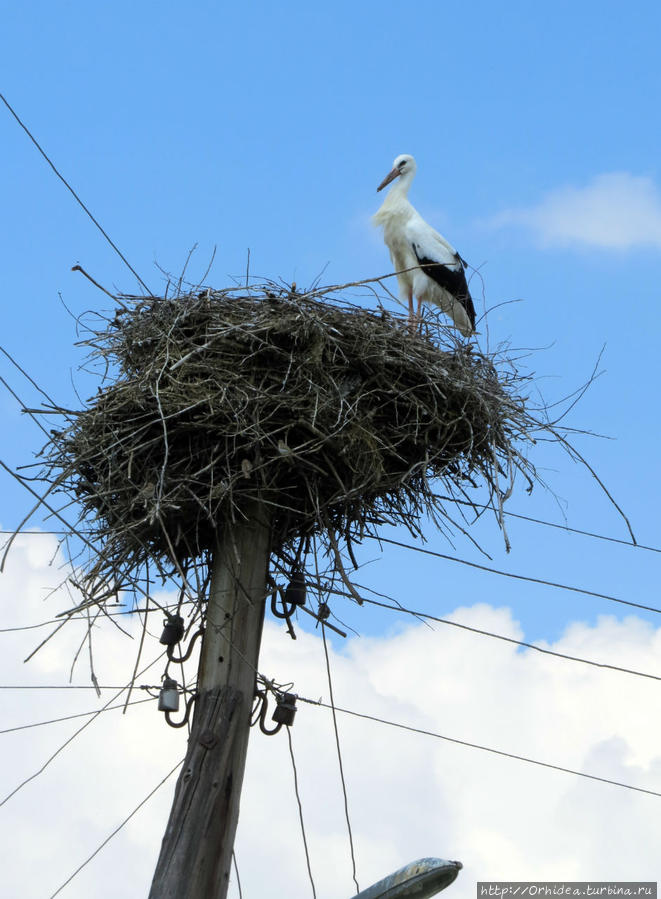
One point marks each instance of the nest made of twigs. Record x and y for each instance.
(335, 417)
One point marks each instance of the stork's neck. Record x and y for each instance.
(400, 188)
(396, 202)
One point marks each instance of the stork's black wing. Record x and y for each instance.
(452, 279)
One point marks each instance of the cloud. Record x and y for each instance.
(616, 210)
(409, 795)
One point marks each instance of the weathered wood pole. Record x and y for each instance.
(196, 852)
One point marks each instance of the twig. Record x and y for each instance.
(79, 268)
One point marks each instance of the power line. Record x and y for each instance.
(28, 378)
(595, 536)
(74, 194)
(396, 606)
(53, 756)
(72, 617)
(42, 501)
(66, 686)
(73, 736)
(32, 627)
(238, 879)
(477, 630)
(519, 577)
(300, 811)
(457, 741)
(9, 730)
(116, 830)
(339, 757)
(27, 627)
(35, 533)
(553, 524)
(509, 755)
(23, 407)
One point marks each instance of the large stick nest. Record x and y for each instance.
(338, 419)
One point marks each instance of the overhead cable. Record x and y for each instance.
(73, 193)
(484, 633)
(482, 748)
(518, 577)
(116, 830)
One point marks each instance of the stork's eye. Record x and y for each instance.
(402, 164)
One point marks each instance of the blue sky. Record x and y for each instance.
(268, 126)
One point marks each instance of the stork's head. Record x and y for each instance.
(404, 167)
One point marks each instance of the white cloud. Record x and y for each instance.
(409, 795)
(616, 210)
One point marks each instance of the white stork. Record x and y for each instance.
(427, 266)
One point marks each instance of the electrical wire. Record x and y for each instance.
(236, 869)
(23, 408)
(42, 501)
(595, 536)
(490, 749)
(551, 524)
(300, 811)
(28, 627)
(36, 533)
(29, 378)
(518, 577)
(73, 737)
(477, 630)
(137, 611)
(10, 730)
(64, 686)
(520, 516)
(339, 757)
(52, 757)
(116, 830)
(73, 193)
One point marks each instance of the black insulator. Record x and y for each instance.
(295, 592)
(285, 709)
(323, 612)
(173, 630)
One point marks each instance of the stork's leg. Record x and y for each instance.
(411, 315)
(418, 315)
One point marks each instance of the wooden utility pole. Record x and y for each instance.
(196, 853)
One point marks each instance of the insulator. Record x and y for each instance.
(168, 698)
(173, 630)
(285, 709)
(295, 592)
(323, 612)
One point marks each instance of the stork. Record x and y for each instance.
(427, 266)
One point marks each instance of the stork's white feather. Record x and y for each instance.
(413, 243)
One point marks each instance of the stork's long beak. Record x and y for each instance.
(389, 177)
